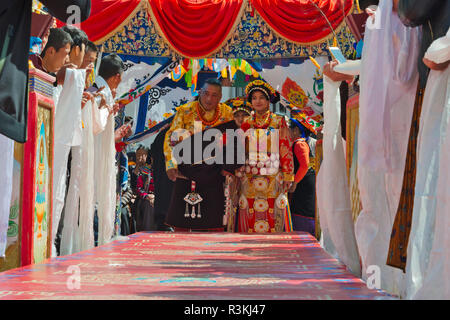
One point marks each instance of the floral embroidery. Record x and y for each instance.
(253, 39)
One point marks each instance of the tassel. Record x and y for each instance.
(249, 7)
(186, 212)
(335, 44)
(193, 212)
(199, 215)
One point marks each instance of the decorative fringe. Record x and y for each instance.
(288, 219)
(186, 212)
(358, 8)
(249, 7)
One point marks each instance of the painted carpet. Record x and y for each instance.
(192, 266)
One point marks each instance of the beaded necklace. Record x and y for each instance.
(265, 123)
(216, 112)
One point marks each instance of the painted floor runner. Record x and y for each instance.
(192, 266)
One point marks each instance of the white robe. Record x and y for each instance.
(388, 85)
(333, 195)
(427, 266)
(67, 134)
(80, 197)
(105, 178)
(6, 185)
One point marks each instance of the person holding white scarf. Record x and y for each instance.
(68, 123)
(332, 189)
(388, 84)
(109, 77)
(427, 266)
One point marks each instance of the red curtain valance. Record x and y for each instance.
(107, 16)
(300, 21)
(196, 28)
(199, 28)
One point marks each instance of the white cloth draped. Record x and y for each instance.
(78, 231)
(105, 178)
(86, 227)
(6, 185)
(427, 265)
(67, 134)
(388, 85)
(69, 236)
(388, 72)
(333, 195)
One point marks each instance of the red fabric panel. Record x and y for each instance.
(195, 28)
(106, 16)
(300, 21)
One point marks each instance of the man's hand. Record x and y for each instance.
(151, 198)
(89, 69)
(333, 75)
(122, 132)
(436, 66)
(86, 97)
(370, 10)
(114, 109)
(102, 103)
(172, 174)
(61, 74)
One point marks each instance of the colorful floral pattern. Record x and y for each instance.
(253, 38)
(294, 93)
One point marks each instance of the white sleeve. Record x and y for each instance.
(99, 118)
(56, 94)
(68, 110)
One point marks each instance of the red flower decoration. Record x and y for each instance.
(245, 126)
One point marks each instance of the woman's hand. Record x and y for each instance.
(286, 185)
(293, 187)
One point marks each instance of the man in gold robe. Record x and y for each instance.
(197, 177)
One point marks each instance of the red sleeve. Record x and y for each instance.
(120, 146)
(140, 187)
(151, 186)
(301, 151)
